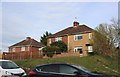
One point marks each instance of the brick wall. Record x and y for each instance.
(76, 43)
(27, 48)
(64, 39)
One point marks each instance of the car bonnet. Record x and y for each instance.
(15, 71)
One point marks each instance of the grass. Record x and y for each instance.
(94, 63)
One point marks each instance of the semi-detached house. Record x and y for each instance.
(27, 45)
(77, 37)
(26, 49)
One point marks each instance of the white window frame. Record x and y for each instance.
(76, 37)
(76, 48)
(90, 36)
(90, 48)
(58, 39)
(13, 49)
(50, 41)
(23, 48)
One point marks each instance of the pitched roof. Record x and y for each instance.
(28, 42)
(73, 30)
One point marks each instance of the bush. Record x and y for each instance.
(61, 45)
(50, 50)
(91, 53)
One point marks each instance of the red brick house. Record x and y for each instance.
(25, 49)
(29, 44)
(77, 37)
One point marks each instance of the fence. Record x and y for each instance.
(33, 54)
(22, 55)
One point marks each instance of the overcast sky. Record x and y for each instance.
(23, 19)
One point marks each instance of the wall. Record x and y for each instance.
(75, 43)
(69, 40)
(52, 40)
(32, 53)
(64, 39)
(34, 49)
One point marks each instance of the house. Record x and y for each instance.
(25, 49)
(29, 44)
(77, 37)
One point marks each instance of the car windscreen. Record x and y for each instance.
(8, 65)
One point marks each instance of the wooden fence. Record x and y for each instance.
(22, 55)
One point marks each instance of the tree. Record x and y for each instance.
(44, 38)
(105, 37)
(101, 44)
(116, 31)
(62, 46)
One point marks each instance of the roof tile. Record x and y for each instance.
(72, 30)
(30, 42)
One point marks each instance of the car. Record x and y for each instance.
(63, 70)
(9, 68)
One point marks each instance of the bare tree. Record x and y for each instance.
(116, 32)
(105, 37)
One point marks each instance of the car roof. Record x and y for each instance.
(54, 64)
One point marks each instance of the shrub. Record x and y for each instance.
(61, 45)
(50, 50)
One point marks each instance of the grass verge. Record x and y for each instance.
(94, 63)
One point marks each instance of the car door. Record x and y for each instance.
(48, 71)
(67, 71)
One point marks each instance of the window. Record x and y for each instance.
(13, 49)
(78, 37)
(49, 40)
(67, 69)
(22, 48)
(8, 65)
(58, 39)
(49, 68)
(78, 49)
(90, 49)
(90, 36)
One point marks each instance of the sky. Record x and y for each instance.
(22, 19)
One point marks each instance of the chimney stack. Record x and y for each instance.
(28, 38)
(75, 24)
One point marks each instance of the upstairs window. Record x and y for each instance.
(13, 49)
(78, 37)
(49, 40)
(22, 48)
(58, 39)
(90, 36)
